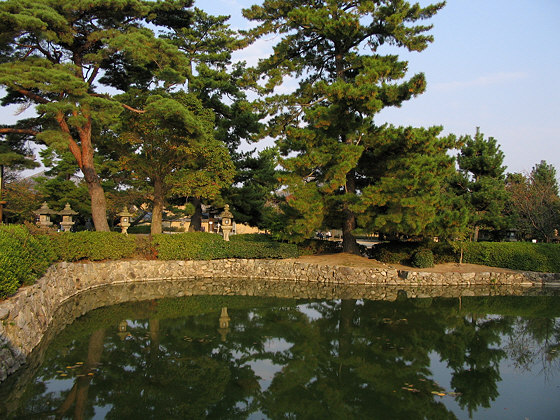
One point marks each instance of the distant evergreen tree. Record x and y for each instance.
(480, 182)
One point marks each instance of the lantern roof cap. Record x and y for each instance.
(67, 211)
(226, 213)
(125, 213)
(45, 209)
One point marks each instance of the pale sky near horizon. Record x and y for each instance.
(494, 64)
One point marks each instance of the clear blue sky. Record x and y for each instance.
(494, 64)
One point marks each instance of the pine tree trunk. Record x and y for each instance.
(83, 153)
(349, 243)
(97, 197)
(157, 209)
(196, 219)
(95, 350)
(475, 234)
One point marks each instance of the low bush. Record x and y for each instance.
(23, 258)
(140, 229)
(524, 256)
(404, 252)
(423, 258)
(93, 246)
(394, 252)
(319, 246)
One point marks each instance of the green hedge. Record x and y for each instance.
(93, 246)
(209, 246)
(23, 258)
(524, 256)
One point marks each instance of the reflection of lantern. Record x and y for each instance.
(226, 217)
(67, 221)
(224, 324)
(125, 216)
(122, 332)
(45, 215)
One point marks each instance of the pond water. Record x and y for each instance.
(239, 357)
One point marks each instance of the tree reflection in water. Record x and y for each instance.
(282, 358)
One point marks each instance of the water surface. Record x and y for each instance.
(236, 357)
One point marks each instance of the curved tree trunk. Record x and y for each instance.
(83, 153)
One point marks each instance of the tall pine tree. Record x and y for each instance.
(324, 126)
(481, 182)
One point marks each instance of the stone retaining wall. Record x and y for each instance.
(25, 317)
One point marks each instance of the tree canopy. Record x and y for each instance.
(324, 127)
(61, 56)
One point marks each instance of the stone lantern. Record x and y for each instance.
(67, 221)
(45, 215)
(227, 222)
(125, 216)
(224, 324)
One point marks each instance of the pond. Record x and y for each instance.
(243, 357)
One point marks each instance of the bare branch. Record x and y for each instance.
(138, 111)
(33, 96)
(18, 131)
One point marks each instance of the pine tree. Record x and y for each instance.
(325, 126)
(219, 84)
(403, 181)
(174, 152)
(481, 182)
(58, 55)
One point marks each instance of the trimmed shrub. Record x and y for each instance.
(524, 256)
(23, 258)
(423, 258)
(261, 249)
(189, 246)
(93, 246)
(209, 246)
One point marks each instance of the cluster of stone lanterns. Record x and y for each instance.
(45, 214)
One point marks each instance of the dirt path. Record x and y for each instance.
(351, 260)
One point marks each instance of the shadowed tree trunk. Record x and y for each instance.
(196, 219)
